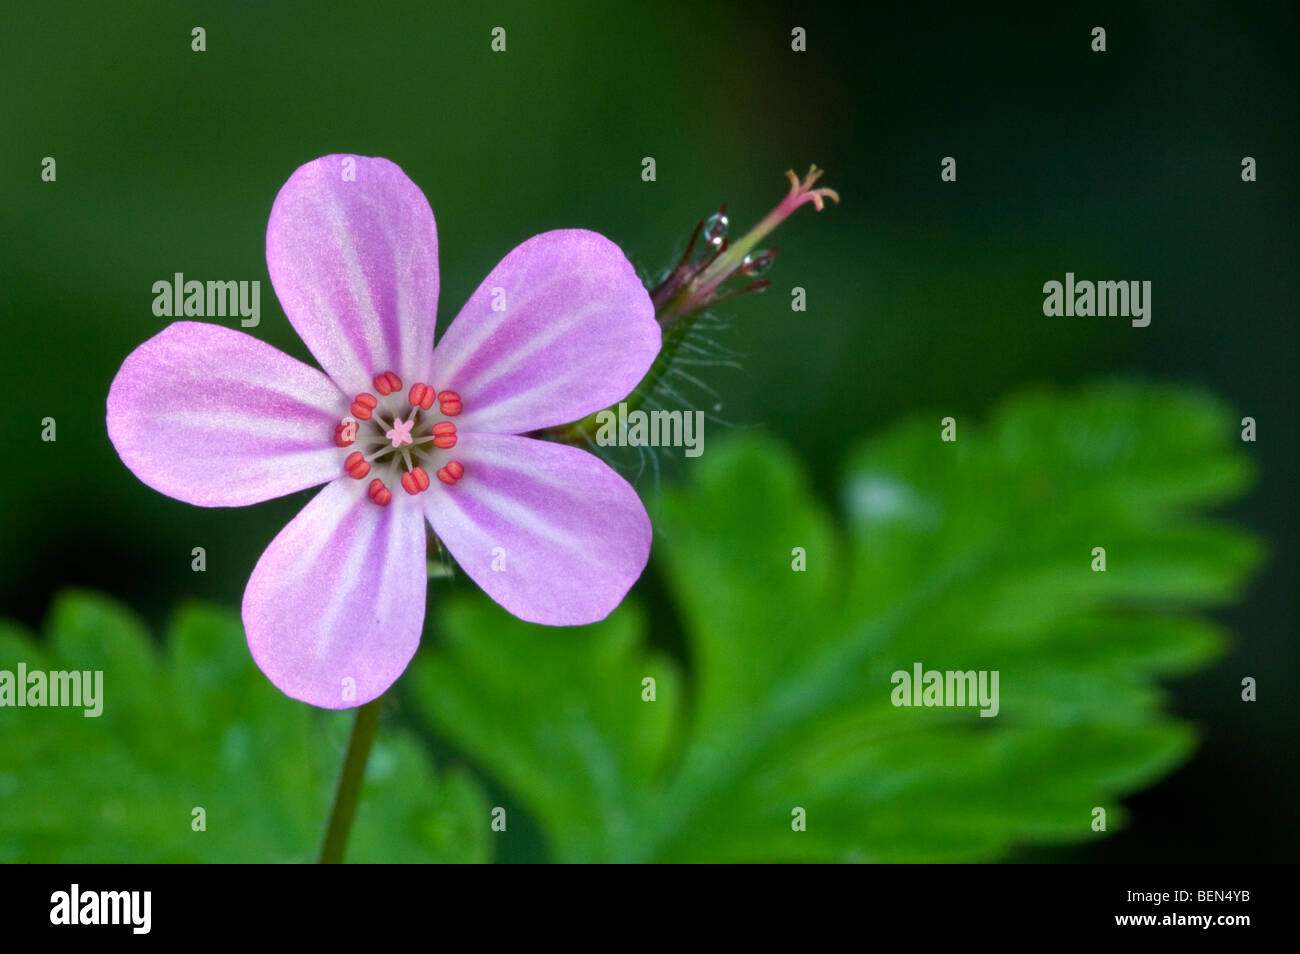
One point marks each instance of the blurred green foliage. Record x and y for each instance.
(967, 555)
(198, 726)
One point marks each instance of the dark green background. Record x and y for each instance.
(921, 294)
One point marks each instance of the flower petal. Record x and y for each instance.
(548, 531)
(335, 606)
(560, 328)
(218, 418)
(353, 254)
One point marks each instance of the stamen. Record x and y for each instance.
(444, 435)
(364, 405)
(415, 481)
(449, 403)
(356, 465)
(345, 433)
(421, 395)
(387, 383)
(403, 449)
(379, 493)
(453, 472)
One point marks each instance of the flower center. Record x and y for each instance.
(395, 437)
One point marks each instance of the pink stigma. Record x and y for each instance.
(401, 432)
(387, 455)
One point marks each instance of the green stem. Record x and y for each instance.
(348, 793)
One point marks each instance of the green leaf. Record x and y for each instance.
(197, 726)
(968, 555)
(562, 721)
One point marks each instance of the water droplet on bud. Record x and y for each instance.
(715, 229)
(756, 263)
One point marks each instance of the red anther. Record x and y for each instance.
(444, 435)
(416, 481)
(421, 395)
(384, 383)
(356, 465)
(449, 403)
(453, 472)
(379, 493)
(345, 434)
(363, 405)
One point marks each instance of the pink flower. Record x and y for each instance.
(560, 328)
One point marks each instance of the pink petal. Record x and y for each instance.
(335, 606)
(548, 531)
(218, 418)
(355, 266)
(577, 334)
